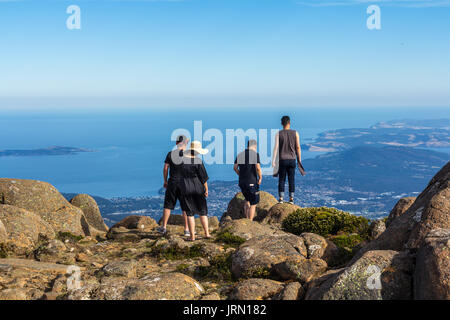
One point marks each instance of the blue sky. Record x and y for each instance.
(224, 53)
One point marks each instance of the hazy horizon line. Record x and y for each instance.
(281, 108)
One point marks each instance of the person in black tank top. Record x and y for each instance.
(286, 156)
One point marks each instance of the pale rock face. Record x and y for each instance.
(32, 195)
(90, 210)
(259, 255)
(44, 200)
(300, 269)
(142, 223)
(430, 210)
(292, 291)
(256, 289)
(432, 272)
(13, 294)
(236, 207)
(23, 228)
(376, 228)
(279, 212)
(321, 248)
(399, 209)
(121, 268)
(173, 286)
(3, 233)
(377, 275)
(246, 229)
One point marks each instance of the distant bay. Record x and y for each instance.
(131, 146)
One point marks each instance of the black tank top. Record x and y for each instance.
(287, 144)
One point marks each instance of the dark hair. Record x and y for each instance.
(181, 139)
(251, 143)
(285, 120)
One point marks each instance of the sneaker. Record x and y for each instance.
(280, 200)
(187, 233)
(162, 230)
(291, 201)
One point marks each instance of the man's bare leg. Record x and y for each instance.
(252, 212)
(166, 215)
(247, 209)
(191, 224)
(204, 221)
(185, 219)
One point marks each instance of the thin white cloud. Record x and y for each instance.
(102, 0)
(397, 3)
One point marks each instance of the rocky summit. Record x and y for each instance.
(53, 249)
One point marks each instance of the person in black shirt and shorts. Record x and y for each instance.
(194, 188)
(172, 169)
(247, 166)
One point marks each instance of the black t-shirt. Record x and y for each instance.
(194, 168)
(175, 160)
(247, 161)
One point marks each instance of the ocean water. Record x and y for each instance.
(130, 146)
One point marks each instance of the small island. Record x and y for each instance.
(50, 151)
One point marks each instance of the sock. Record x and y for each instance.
(291, 195)
(281, 195)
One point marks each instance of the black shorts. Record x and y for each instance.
(173, 194)
(194, 204)
(250, 192)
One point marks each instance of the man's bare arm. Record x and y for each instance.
(259, 172)
(236, 168)
(165, 174)
(299, 149)
(206, 189)
(275, 150)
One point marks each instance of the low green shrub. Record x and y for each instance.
(3, 251)
(176, 253)
(348, 246)
(219, 268)
(258, 272)
(325, 221)
(63, 236)
(347, 240)
(225, 236)
(40, 247)
(182, 267)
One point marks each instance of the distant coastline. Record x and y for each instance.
(127, 158)
(433, 133)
